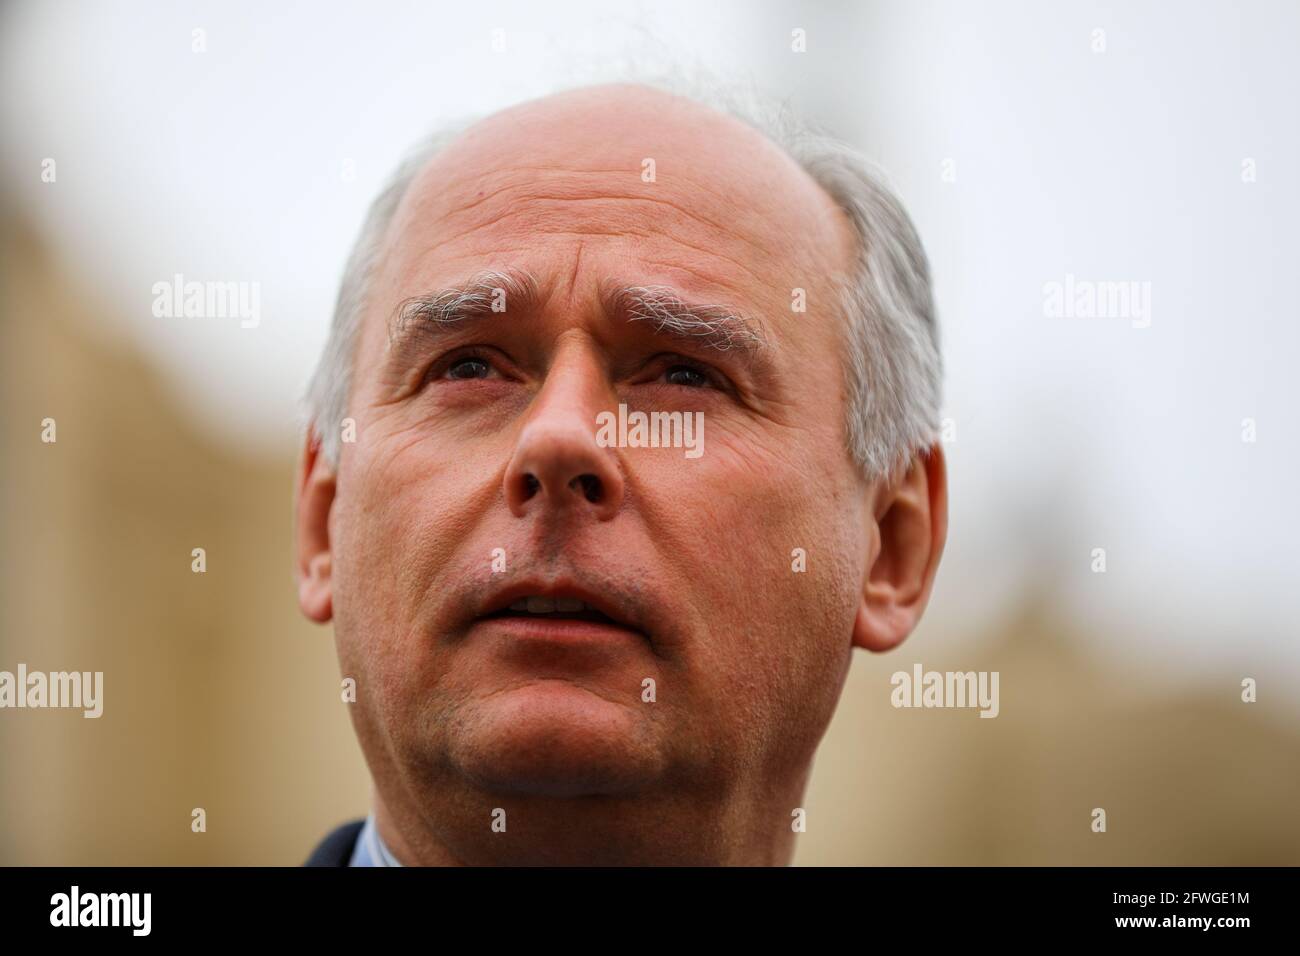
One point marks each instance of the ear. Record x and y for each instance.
(909, 531)
(316, 486)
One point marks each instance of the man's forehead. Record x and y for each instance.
(687, 184)
(612, 138)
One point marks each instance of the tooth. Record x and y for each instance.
(541, 605)
(520, 605)
(569, 605)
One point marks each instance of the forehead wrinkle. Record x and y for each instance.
(650, 224)
(480, 177)
(446, 248)
(537, 206)
(601, 196)
(640, 230)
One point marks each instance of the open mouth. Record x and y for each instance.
(562, 609)
(541, 607)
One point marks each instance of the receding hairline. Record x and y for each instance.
(786, 187)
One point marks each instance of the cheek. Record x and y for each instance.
(770, 560)
(402, 509)
(405, 499)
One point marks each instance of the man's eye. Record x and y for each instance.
(685, 375)
(469, 368)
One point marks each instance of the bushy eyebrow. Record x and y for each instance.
(484, 294)
(711, 326)
(714, 327)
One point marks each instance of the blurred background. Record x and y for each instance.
(1137, 142)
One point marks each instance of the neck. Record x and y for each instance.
(475, 829)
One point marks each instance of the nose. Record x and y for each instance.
(556, 464)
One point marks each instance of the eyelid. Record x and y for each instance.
(438, 368)
(664, 361)
(716, 379)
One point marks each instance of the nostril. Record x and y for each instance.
(531, 484)
(591, 488)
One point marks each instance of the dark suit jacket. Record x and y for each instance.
(336, 849)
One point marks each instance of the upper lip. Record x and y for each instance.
(621, 612)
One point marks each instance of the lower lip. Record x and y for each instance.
(559, 630)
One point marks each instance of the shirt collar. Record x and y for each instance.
(370, 849)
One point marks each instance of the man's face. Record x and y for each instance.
(476, 448)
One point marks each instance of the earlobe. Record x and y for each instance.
(315, 597)
(881, 626)
(316, 489)
(909, 532)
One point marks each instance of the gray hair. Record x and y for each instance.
(892, 362)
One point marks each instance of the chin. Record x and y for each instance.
(553, 738)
